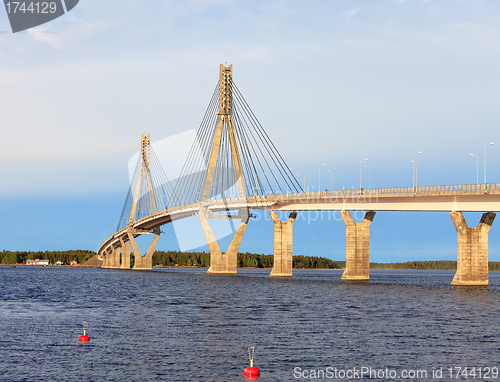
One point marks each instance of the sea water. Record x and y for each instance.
(185, 325)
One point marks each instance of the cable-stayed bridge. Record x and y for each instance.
(231, 164)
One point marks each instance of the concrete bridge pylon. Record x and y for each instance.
(142, 262)
(472, 250)
(224, 262)
(125, 255)
(111, 259)
(220, 262)
(283, 245)
(357, 247)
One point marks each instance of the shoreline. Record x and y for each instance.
(195, 267)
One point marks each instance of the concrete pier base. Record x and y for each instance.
(115, 258)
(357, 247)
(472, 249)
(283, 245)
(125, 263)
(144, 262)
(223, 263)
(105, 260)
(112, 258)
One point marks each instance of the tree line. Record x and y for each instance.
(20, 257)
(445, 265)
(245, 260)
(168, 259)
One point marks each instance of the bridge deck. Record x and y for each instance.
(465, 198)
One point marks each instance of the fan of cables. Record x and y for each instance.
(152, 187)
(263, 168)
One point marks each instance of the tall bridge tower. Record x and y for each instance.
(144, 186)
(224, 262)
(143, 262)
(224, 124)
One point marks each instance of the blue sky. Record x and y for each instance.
(331, 82)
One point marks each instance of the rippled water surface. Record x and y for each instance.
(184, 325)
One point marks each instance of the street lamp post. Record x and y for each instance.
(413, 175)
(415, 166)
(319, 181)
(331, 173)
(303, 178)
(491, 143)
(415, 170)
(361, 173)
(477, 168)
(416, 175)
(369, 175)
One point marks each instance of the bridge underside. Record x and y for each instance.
(477, 202)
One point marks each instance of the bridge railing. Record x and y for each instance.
(439, 189)
(394, 191)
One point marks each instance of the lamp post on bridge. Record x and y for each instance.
(361, 173)
(303, 179)
(413, 175)
(415, 170)
(477, 168)
(491, 143)
(276, 184)
(369, 175)
(319, 182)
(331, 188)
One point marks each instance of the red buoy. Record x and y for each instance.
(84, 338)
(251, 372)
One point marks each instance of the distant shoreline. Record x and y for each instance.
(194, 267)
(177, 259)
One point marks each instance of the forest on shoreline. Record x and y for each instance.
(245, 260)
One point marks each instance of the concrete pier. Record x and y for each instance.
(125, 263)
(115, 258)
(283, 245)
(225, 263)
(144, 262)
(112, 258)
(357, 247)
(472, 249)
(105, 260)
